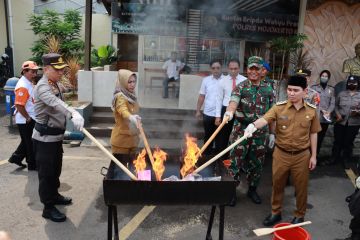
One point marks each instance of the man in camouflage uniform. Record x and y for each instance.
(250, 100)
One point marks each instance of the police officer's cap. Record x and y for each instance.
(55, 60)
(303, 72)
(353, 78)
(298, 80)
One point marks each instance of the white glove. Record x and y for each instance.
(77, 120)
(134, 119)
(271, 140)
(229, 114)
(250, 129)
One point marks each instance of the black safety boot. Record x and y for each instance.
(53, 214)
(252, 194)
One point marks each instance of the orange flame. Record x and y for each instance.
(190, 158)
(159, 159)
(140, 163)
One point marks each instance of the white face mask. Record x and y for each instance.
(324, 79)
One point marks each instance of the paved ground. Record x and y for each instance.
(87, 217)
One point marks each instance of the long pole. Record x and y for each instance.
(146, 143)
(88, 21)
(220, 154)
(116, 161)
(225, 121)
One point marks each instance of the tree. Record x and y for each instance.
(65, 29)
(284, 46)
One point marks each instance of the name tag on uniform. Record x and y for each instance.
(283, 117)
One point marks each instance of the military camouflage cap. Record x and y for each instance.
(255, 61)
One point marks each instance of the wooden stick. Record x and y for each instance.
(146, 143)
(220, 154)
(225, 121)
(116, 161)
(265, 231)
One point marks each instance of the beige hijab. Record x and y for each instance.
(121, 87)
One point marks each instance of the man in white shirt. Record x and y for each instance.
(226, 85)
(25, 115)
(172, 69)
(207, 97)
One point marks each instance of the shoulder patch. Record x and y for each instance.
(311, 105)
(281, 103)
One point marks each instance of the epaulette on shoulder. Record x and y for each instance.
(281, 103)
(311, 105)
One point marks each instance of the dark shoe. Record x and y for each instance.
(53, 214)
(252, 194)
(271, 220)
(32, 168)
(61, 200)
(232, 203)
(19, 163)
(297, 220)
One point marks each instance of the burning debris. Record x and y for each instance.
(191, 156)
(140, 163)
(158, 167)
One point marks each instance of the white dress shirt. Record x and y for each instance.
(173, 68)
(209, 87)
(224, 91)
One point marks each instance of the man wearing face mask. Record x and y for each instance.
(326, 104)
(347, 109)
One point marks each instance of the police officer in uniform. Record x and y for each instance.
(297, 125)
(51, 113)
(250, 100)
(347, 110)
(311, 96)
(326, 104)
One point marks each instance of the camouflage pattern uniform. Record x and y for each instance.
(312, 97)
(253, 102)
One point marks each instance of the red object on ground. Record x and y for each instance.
(297, 233)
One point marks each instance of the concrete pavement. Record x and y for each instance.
(87, 216)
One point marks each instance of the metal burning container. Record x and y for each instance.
(120, 189)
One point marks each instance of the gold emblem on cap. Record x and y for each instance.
(60, 60)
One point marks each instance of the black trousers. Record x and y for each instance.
(166, 87)
(224, 134)
(355, 225)
(321, 135)
(209, 129)
(25, 148)
(48, 157)
(344, 137)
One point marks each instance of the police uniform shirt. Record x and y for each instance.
(224, 91)
(293, 127)
(209, 88)
(49, 109)
(343, 106)
(327, 99)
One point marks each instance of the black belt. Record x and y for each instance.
(291, 152)
(44, 129)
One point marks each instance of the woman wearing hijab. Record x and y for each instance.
(347, 109)
(124, 136)
(326, 104)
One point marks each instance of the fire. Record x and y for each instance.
(159, 159)
(140, 163)
(190, 158)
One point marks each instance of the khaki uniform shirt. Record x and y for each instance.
(327, 100)
(348, 107)
(124, 139)
(50, 109)
(352, 66)
(293, 127)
